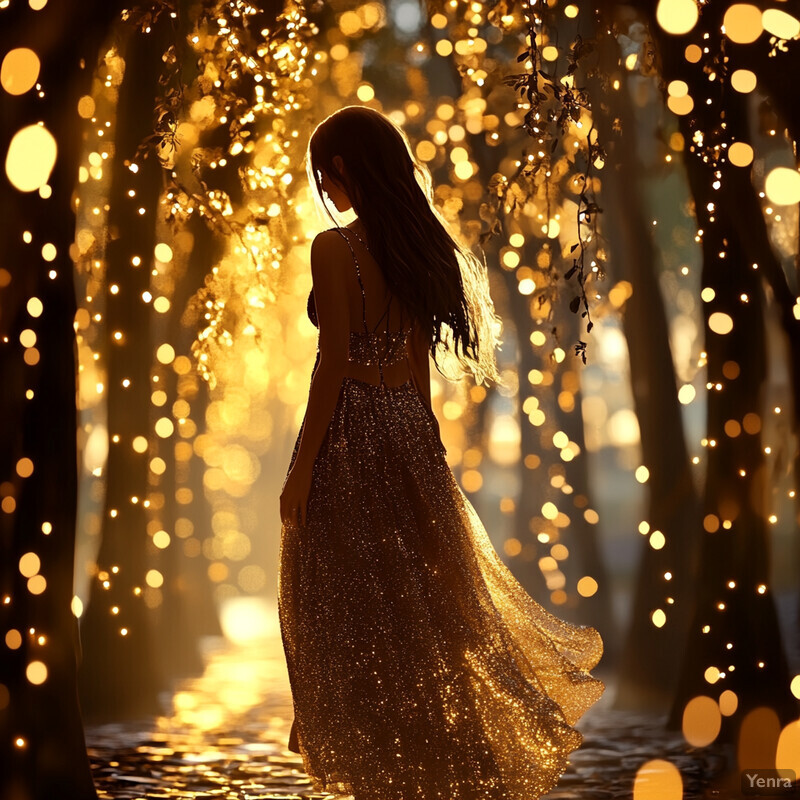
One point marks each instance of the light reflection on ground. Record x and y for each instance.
(227, 733)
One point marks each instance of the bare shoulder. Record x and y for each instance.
(330, 261)
(329, 245)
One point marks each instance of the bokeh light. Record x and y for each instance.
(782, 186)
(758, 739)
(658, 779)
(677, 16)
(702, 721)
(742, 23)
(740, 154)
(780, 23)
(19, 70)
(31, 157)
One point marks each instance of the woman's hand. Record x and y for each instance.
(294, 497)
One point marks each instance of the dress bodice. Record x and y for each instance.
(370, 348)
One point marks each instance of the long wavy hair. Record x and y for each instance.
(441, 283)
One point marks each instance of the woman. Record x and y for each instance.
(419, 667)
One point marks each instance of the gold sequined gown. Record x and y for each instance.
(420, 669)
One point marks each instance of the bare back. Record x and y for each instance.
(381, 330)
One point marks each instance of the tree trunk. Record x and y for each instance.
(120, 675)
(778, 76)
(734, 602)
(734, 627)
(647, 671)
(586, 558)
(42, 749)
(187, 610)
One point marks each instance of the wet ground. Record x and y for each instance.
(226, 736)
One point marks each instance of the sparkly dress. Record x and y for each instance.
(420, 669)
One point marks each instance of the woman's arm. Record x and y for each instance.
(420, 363)
(329, 260)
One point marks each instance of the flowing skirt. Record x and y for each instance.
(419, 666)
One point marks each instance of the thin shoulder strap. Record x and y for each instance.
(389, 304)
(358, 275)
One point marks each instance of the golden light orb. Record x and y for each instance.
(680, 106)
(31, 158)
(658, 618)
(759, 733)
(426, 150)
(782, 186)
(76, 606)
(686, 394)
(161, 540)
(720, 322)
(19, 70)
(744, 80)
(743, 23)
(164, 427)
(163, 252)
(678, 88)
(692, 53)
(365, 93)
(677, 16)
(728, 703)
(36, 672)
(549, 511)
(35, 307)
(657, 540)
(712, 675)
(701, 721)
(788, 752)
(86, 107)
(550, 53)
(459, 154)
(658, 779)
(444, 47)
(165, 354)
(154, 578)
(780, 24)
(740, 154)
(463, 170)
(25, 467)
(29, 565)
